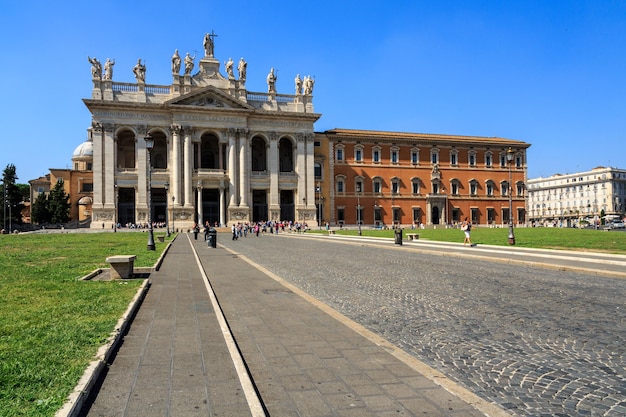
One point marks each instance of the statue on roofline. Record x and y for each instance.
(189, 63)
(176, 63)
(96, 68)
(243, 65)
(140, 71)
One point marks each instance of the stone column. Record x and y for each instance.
(141, 205)
(301, 169)
(273, 155)
(222, 205)
(98, 169)
(109, 166)
(309, 140)
(188, 167)
(232, 168)
(175, 180)
(244, 168)
(199, 208)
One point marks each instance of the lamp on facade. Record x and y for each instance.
(149, 145)
(166, 186)
(509, 159)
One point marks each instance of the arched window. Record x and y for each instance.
(434, 156)
(376, 154)
(209, 152)
(159, 152)
(377, 185)
(259, 154)
(318, 170)
(358, 153)
(415, 185)
(488, 159)
(454, 157)
(471, 158)
(339, 150)
(473, 187)
(126, 149)
(286, 155)
(340, 184)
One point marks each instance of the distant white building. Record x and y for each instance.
(571, 197)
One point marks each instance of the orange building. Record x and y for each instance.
(77, 183)
(407, 179)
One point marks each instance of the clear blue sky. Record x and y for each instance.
(551, 73)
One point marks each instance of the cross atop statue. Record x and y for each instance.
(209, 44)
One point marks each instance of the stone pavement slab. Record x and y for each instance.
(303, 360)
(173, 361)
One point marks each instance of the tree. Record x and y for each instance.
(40, 209)
(59, 204)
(12, 197)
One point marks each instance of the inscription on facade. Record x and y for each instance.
(126, 115)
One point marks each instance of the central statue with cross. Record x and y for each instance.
(209, 44)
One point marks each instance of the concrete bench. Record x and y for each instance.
(122, 266)
(413, 236)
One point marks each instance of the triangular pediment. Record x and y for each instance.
(210, 97)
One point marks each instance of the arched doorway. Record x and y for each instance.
(435, 215)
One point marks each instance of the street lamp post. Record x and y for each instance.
(393, 214)
(149, 145)
(167, 221)
(509, 159)
(358, 208)
(319, 211)
(173, 217)
(115, 210)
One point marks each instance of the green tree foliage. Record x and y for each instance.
(40, 209)
(12, 196)
(59, 204)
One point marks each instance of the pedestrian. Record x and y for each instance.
(466, 227)
(196, 230)
(234, 231)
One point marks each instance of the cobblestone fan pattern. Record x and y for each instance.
(538, 342)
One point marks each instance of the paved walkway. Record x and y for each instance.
(289, 355)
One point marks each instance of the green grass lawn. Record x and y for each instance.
(539, 237)
(51, 322)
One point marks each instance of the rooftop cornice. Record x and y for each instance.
(354, 134)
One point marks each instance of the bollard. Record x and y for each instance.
(397, 236)
(212, 238)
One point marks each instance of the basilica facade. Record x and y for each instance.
(201, 149)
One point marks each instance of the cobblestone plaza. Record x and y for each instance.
(535, 341)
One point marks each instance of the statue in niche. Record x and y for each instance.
(189, 63)
(229, 69)
(176, 63)
(140, 71)
(298, 85)
(435, 174)
(108, 69)
(271, 81)
(308, 85)
(208, 44)
(243, 65)
(96, 68)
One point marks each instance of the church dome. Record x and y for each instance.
(84, 150)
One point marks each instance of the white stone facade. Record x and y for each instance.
(221, 154)
(570, 197)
